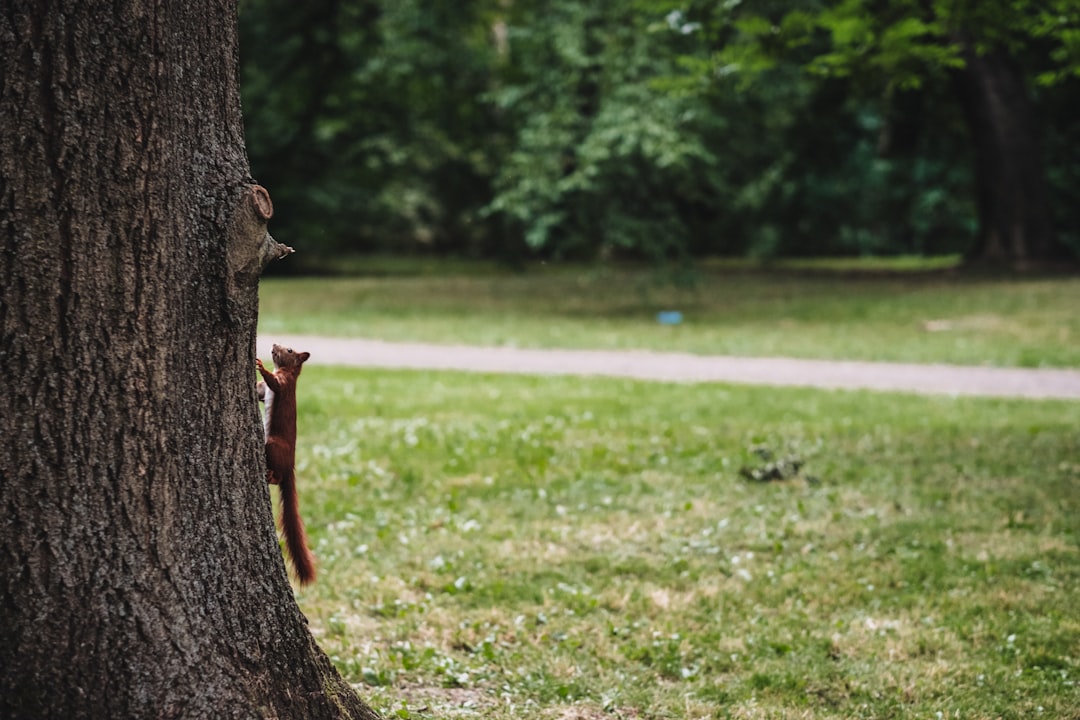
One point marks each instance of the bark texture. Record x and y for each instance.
(1010, 180)
(141, 575)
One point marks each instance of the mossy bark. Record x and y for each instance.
(141, 570)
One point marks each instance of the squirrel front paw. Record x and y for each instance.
(258, 364)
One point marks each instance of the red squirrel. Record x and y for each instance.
(278, 392)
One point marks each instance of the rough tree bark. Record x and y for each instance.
(141, 575)
(1010, 180)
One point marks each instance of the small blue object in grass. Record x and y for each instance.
(669, 317)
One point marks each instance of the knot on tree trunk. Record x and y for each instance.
(251, 246)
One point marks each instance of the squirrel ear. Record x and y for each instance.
(304, 356)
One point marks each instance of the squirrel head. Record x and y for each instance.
(286, 357)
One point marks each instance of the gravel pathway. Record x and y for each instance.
(684, 367)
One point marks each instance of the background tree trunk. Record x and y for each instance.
(1010, 181)
(141, 572)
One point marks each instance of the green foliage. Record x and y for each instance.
(901, 48)
(641, 128)
(900, 43)
(603, 158)
(363, 122)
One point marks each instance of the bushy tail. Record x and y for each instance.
(292, 527)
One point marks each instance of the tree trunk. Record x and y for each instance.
(141, 571)
(1010, 181)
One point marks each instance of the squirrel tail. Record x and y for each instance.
(292, 527)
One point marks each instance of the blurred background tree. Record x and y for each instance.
(657, 130)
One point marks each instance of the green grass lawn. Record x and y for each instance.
(897, 317)
(520, 547)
